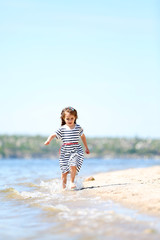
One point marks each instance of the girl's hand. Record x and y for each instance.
(46, 142)
(87, 151)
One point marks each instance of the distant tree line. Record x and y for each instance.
(33, 147)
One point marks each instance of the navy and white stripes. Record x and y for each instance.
(71, 155)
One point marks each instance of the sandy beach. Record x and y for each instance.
(134, 188)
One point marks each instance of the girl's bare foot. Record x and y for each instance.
(63, 185)
(72, 185)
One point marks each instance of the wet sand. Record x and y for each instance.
(134, 188)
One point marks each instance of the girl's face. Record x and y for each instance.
(69, 119)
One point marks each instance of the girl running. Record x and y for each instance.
(71, 152)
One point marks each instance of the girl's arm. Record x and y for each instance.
(83, 137)
(49, 139)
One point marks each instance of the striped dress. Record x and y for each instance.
(71, 152)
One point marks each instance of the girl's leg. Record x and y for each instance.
(73, 174)
(64, 179)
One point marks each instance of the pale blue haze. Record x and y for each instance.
(101, 57)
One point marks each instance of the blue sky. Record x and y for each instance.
(101, 57)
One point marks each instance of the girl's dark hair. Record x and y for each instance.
(70, 110)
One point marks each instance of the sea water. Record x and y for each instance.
(33, 205)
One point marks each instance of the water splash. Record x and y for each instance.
(76, 212)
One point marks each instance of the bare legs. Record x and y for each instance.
(73, 170)
(64, 179)
(73, 174)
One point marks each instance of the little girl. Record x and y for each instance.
(71, 152)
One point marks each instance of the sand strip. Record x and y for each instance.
(134, 188)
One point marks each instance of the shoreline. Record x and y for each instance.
(137, 188)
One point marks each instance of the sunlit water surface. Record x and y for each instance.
(33, 205)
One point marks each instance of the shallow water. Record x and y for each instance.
(33, 205)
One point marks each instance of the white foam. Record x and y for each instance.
(59, 207)
(53, 186)
(36, 194)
